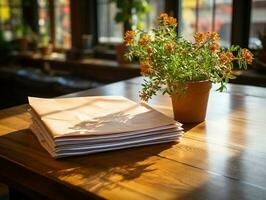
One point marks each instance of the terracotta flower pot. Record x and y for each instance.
(120, 52)
(46, 50)
(191, 107)
(23, 44)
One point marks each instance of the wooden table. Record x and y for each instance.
(222, 158)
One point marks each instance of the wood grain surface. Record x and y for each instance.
(221, 158)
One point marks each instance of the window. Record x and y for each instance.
(206, 15)
(258, 23)
(10, 17)
(55, 13)
(109, 31)
(62, 24)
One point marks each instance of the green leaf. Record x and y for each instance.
(120, 17)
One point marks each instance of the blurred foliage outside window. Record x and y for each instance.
(10, 18)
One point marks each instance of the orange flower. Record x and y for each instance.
(230, 56)
(214, 47)
(214, 36)
(167, 20)
(163, 16)
(226, 57)
(172, 21)
(223, 58)
(129, 37)
(200, 37)
(170, 47)
(144, 40)
(228, 71)
(146, 67)
(247, 56)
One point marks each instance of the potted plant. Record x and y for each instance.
(23, 32)
(45, 46)
(131, 13)
(183, 69)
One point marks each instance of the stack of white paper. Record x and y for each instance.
(83, 125)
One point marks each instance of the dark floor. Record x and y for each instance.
(3, 192)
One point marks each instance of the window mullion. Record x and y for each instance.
(213, 14)
(197, 16)
(52, 21)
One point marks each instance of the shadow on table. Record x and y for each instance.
(96, 172)
(109, 170)
(188, 127)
